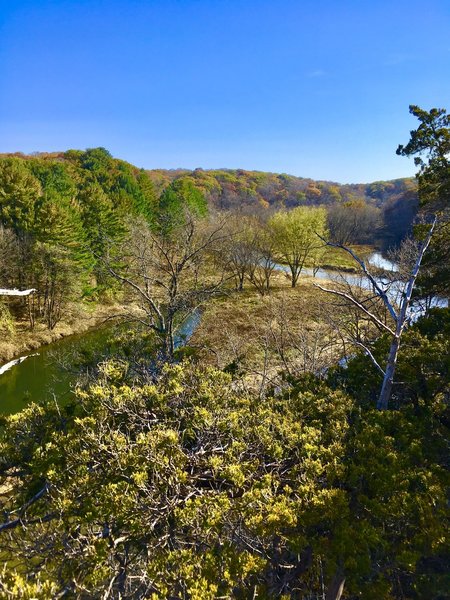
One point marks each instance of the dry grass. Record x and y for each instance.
(336, 258)
(287, 330)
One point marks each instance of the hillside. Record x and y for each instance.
(256, 191)
(226, 187)
(131, 189)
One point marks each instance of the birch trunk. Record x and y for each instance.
(399, 315)
(336, 587)
(386, 388)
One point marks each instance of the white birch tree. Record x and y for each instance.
(399, 312)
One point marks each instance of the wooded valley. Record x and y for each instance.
(292, 444)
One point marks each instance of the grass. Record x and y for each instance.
(246, 315)
(289, 329)
(336, 258)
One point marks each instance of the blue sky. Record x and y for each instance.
(313, 88)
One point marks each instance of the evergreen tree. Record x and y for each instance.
(19, 191)
(178, 199)
(430, 146)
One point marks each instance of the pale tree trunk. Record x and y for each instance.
(386, 388)
(399, 315)
(402, 318)
(336, 587)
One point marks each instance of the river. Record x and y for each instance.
(51, 371)
(55, 368)
(393, 287)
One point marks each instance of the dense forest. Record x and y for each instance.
(62, 216)
(387, 207)
(295, 447)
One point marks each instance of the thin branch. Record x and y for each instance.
(370, 355)
(412, 280)
(14, 523)
(359, 305)
(380, 291)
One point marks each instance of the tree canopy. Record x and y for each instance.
(431, 140)
(297, 236)
(430, 146)
(193, 488)
(63, 212)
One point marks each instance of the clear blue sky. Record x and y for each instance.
(316, 88)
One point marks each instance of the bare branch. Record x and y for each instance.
(376, 286)
(370, 355)
(16, 522)
(348, 297)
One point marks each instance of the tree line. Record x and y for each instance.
(60, 219)
(381, 211)
(86, 226)
(61, 216)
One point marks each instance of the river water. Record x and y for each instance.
(393, 287)
(51, 371)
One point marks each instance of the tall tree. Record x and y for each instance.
(168, 273)
(19, 191)
(430, 146)
(398, 309)
(296, 235)
(353, 222)
(431, 140)
(181, 199)
(102, 225)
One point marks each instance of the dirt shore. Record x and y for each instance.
(79, 320)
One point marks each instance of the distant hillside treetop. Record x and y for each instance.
(130, 189)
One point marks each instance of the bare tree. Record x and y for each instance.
(398, 310)
(303, 344)
(167, 274)
(246, 252)
(235, 256)
(353, 222)
(261, 260)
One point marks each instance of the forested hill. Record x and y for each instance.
(59, 213)
(396, 200)
(83, 175)
(231, 188)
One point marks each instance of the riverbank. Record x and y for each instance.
(81, 319)
(338, 260)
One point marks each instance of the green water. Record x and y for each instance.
(56, 368)
(53, 371)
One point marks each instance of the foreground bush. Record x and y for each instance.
(191, 489)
